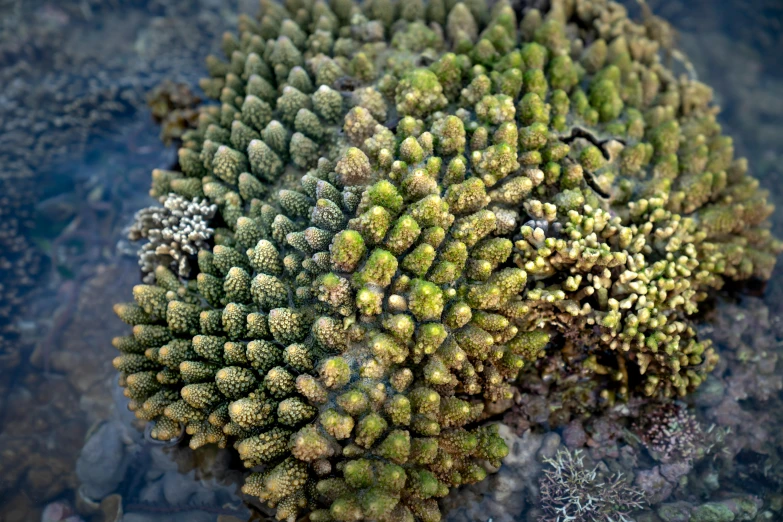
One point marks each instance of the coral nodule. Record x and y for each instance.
(415, 200)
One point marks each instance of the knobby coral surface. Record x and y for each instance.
(414, 201)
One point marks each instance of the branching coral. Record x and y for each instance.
(390, 262)
(175, 233)
(571, 492)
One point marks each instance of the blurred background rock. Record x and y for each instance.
(77, 144)
(735, 46)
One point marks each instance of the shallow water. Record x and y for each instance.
(75, 76)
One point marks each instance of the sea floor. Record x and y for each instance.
(75, 77)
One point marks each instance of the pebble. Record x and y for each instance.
(574, 435)
(549, 447)
(675, 512)
(103, 461)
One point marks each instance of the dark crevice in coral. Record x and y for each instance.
(588, 176)
(579, 132)
(523, 6)
(346, 85)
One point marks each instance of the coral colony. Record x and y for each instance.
(414, 201)
(175, 233)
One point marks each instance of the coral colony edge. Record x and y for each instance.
(395, 207)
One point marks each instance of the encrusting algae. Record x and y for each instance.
(415, 200)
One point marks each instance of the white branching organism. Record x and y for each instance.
(174, 232)
(570, 492)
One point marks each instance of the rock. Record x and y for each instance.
(59, 512)
(161, 459)
(712, 512)
(521, 450)
(744, 508)
(84, 504)
(229, 518)
(184, 516)
(19, 509)
(675, 512)
(152, 493)
(505, 490)
(103, 461)
(549, 447)
(710, 393)
(498, 407)
(111, 507)
(501, 497)
(674, 470)
(178, 489)
(574, 435)
(708, 480)
(654, 485)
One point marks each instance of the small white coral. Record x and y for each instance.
(175, 232)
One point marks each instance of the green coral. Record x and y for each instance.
(373, 284)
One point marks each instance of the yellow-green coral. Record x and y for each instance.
(410, 211)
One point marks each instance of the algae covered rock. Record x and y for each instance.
(414, 201)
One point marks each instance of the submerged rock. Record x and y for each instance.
(103, 461)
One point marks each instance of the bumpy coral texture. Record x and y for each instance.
(414, 201)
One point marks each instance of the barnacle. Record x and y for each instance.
(371, 285)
